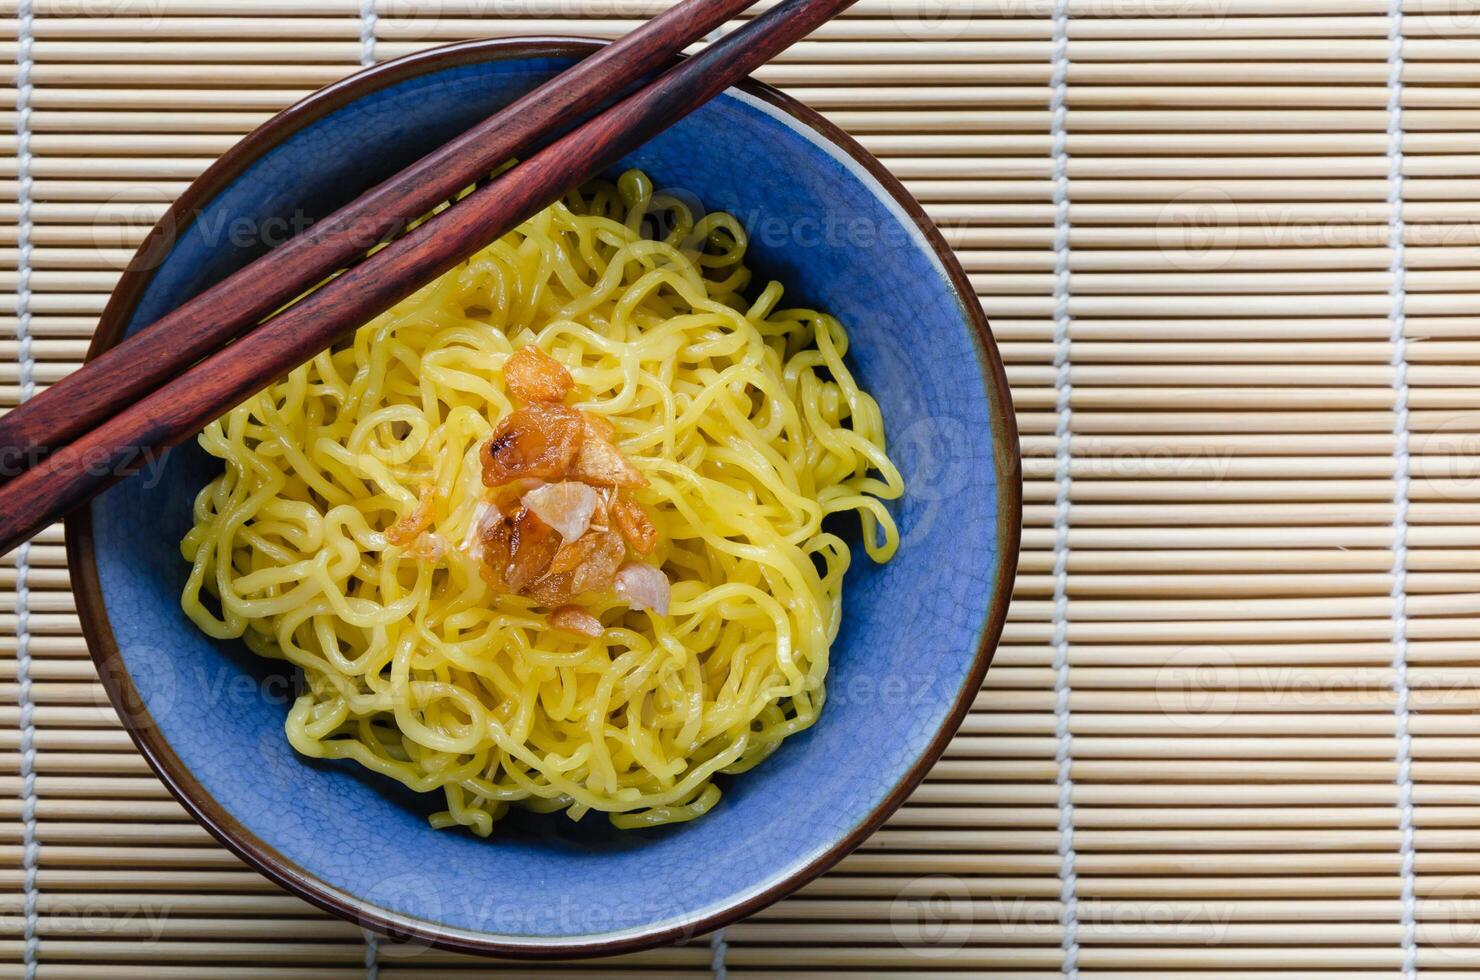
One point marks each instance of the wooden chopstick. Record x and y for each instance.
(120, 376)
(180, 408)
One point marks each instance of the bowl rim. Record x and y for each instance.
(261, 856)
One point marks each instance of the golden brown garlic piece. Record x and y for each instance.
(517, 550)
(547, 442)
(534, 376)
(631, 520)
(587, 564)
(539, 442)
(406, 530)
(601, 463)
(574, 619)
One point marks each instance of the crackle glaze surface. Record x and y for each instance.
(836, 240)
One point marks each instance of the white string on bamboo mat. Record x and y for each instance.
(1058, 111)
(368, 17)
(372, 954)
(1397, 316)
(717, 950)
(30, 848)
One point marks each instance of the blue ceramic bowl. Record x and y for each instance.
(841, 234)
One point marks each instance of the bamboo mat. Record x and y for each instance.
(1229, 248)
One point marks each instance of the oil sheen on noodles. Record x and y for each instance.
(742, 416)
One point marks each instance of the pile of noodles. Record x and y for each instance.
(742, 416)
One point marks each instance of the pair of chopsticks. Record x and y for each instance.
(168, 381)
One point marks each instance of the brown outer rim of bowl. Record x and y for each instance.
(255, 852)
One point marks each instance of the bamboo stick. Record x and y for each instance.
(1243, 631)
(866, 8)
(1105, 158)
(74, 971)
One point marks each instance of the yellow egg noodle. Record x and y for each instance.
(743, 418)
